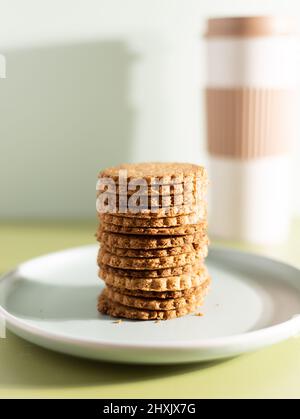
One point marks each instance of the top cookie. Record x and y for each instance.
(164, 173)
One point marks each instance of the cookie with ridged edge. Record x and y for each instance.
(154, 253)
(114, 309)
(164, 173)
(152, 190)
(151, 222)
(152, 212)
(155, 273)
(148, 242)
(164, 231)
(106, 258)
(144, 201)
(169, 283)
(159, 294)
(157, 304)
(157, 212)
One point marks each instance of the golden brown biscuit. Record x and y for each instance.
(150, 303)
(165, 231)
(151, 212)
(157, 294)
(145, 201)
(107, 306)
(182, 281)
(155, 273)
(148, 242)
(165, 173)
(150, 222)
(154, 253)
(152, 190)
(108, 259)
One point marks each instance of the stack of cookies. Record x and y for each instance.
(153, 235)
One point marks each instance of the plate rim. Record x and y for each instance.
(276, 333)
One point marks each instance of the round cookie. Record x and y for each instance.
(106, 258)
(144, 201)
(177, 282)
(159, 294)
(144, 242)
(155, 273)
(164, 173)
(114, 309)
(149, 222)
(158, 212)
(151, 190)
(180, 230)
(156, 304)
(154, 253)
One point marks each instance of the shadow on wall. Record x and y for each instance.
(64, 116)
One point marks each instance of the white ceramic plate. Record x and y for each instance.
(51, 301)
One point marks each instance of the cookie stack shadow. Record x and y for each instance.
(151, 258)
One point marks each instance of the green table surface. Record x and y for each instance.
(29, 371)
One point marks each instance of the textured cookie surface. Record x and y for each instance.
(159, 294)
(112, 308)
(152, 190)
(158, 303)
(165, 173)
(149, 212)
(106, 258)
(153, 253)
(156, 201)
(150, 222)
(180, 230)
(148, 242)
(155, 273)
(178, 282)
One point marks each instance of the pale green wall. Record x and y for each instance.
(93, 83)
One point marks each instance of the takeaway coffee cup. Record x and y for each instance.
(250, 107)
